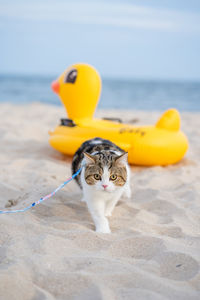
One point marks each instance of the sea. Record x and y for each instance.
(133, 94)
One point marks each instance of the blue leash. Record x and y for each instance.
(43, 198)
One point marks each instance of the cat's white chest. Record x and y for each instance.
(102, 195)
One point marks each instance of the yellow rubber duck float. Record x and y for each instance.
(79, 89)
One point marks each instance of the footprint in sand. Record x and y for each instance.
(138, 247)
(143, 195)
(161, 207)
(177, 266)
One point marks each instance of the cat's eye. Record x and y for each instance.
(113, 177)
(97, 176)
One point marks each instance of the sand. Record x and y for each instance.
(52, 251)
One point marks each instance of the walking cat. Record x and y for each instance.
(105, 176)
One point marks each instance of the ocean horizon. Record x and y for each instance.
(138, 94)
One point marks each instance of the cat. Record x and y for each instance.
(104, 177)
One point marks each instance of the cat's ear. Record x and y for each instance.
(89, 159)
(122, 159)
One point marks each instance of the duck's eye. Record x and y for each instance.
(71, 76)
(97, 177)
(113, 177)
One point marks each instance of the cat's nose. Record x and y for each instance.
(104, 186)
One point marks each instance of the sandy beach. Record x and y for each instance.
(52, 252)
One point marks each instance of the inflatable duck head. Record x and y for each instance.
(79, 88)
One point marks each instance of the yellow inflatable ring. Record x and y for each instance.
(79, 89)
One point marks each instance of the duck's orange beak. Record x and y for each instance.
(55, 86)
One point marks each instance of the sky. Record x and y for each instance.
(143, 39)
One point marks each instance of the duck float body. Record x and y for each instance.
(79, 88)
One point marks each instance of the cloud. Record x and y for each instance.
(115, 14)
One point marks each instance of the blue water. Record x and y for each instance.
(120, 94)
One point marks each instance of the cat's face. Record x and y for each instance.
(106, 172)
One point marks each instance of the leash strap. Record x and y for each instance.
(43, 198)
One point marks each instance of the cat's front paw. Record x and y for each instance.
(103, 230)
(108, 214)
(83, 199)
